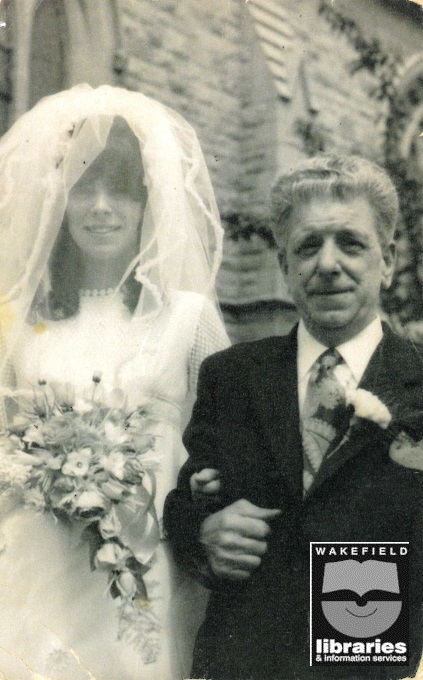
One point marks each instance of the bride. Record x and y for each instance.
(110, 243)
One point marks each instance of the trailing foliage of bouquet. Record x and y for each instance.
(93, 462)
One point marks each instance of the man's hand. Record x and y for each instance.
(205, 483)
(235, 539)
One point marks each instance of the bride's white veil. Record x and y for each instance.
(45, 153)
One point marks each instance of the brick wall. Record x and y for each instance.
(205, 60)
(349, 119)
(186, 55)
(245, 73)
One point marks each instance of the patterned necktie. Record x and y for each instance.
(324, 416)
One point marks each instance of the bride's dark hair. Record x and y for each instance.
(65, 265)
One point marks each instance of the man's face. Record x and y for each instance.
(335, 267)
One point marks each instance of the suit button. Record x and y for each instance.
(286, 639)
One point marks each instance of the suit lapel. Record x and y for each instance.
(390, 373)
(275, 393)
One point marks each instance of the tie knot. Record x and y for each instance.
(327, 362)
(330, 358)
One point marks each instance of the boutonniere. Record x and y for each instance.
(403, 450)
(363, 405)
(366, 405)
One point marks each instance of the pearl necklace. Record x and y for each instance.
(97, 292)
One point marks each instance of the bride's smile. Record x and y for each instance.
(100, 229)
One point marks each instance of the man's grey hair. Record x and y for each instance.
(341, 178)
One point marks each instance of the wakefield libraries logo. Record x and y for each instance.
(359, 604)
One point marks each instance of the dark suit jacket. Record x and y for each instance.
(246, 424)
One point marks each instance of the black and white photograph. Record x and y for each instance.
(211, 339)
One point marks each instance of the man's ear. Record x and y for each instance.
(283, 263)
(389, 261)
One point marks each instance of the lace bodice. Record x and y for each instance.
(156, 358)
(159, 355)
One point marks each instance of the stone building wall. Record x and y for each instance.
(199, 58)
(260, 80)
(316, 89)
(350, 120)
(249, 76)
(206, 60)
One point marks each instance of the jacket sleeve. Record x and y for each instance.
(182, 516)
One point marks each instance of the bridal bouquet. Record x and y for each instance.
(92, 461)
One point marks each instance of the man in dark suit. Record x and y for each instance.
(334, 219)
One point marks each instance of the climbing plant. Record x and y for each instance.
(383, 64)
(404, 301)
(243, 225)
(312, 136)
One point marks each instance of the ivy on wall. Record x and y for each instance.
(371, 55)
(404, 301)
(312, 136)
(243, 225)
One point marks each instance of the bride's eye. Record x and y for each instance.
(117, 183)
(84, 187)
(120, 181)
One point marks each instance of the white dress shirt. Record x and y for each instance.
(355, 352)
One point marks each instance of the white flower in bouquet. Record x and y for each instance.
(109, 525)
(34, 498)
(112, 555)
(78, 463)
(113, 489)
(115, 433)
(44, 399)
(127, 584)
(90, 500)
(14, 472)
(44, 460)
(33, 436)
(114, 463)
(150, 459)
(64, 393)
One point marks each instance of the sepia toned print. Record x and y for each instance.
(264, 84)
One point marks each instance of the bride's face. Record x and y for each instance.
(106, 206)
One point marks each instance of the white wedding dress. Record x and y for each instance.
(57, 620)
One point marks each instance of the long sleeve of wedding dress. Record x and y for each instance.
(209, 337)
(57, 618)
